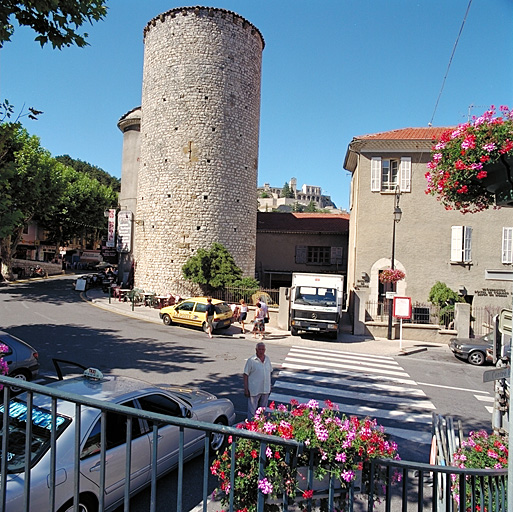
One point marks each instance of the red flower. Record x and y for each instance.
(459, 165)
(254, 454)
(308, 494)
(277, 455)
(485, 158)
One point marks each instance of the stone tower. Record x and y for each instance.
(200, 116)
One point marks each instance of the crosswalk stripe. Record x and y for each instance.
(342, 360)
(482, 398)
(341, 352)
(394, 415)
(355, 366)
(369, 397)
(322, 369)
(338, 381)
(318, 354)
(412, 435)
(489, 409)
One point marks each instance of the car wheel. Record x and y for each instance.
(166, 319)
(21, 375)
(86, 504)
(476, 358)
(294, 331)
(217, 440)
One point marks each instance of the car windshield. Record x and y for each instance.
(316, 296)
(41, 431)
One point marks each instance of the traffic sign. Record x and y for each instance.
(500, 373)
(505, 321)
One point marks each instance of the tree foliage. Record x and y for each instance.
(441, 295)
(286, 191)
(215, 268)
(92, 171)
(55, 22)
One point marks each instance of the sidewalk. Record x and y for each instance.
(346, 341)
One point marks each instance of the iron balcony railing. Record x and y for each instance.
(429, 487)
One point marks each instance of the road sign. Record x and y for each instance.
(500, 373)
(505, 321)
(390, 295)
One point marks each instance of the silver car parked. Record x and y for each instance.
(21, 358)
(173, 401)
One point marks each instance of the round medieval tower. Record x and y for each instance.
(199, 143)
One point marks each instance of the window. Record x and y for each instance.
(319, 255)
(160, 404)
(387, 174)
(186, 306)
(461, 244)
(507, 249)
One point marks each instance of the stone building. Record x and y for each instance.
(190, 153)
(270, 198)
(432, 244)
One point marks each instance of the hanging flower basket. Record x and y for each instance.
(470, 168)
(391, 275)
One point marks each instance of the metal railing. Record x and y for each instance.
(431, 487)
(251, 295)
(481, 319)
(421, 313)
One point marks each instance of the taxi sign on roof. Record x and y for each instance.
(93, 374)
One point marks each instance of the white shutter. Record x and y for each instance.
(507, 245)
(456, 243)
(405, 174)
(375, 174)
(467, 244)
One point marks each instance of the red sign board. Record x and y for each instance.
(402, 307)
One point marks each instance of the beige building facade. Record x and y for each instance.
(431, 244)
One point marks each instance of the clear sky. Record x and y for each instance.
(332, 70)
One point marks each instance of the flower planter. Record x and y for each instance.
(499, 180)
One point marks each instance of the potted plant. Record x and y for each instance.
(480, 451)
(338, 447)
(471, 166)
(391, 275)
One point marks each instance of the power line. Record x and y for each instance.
(450, 62)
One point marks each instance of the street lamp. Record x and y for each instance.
(397, 218)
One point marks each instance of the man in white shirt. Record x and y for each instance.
(257, 380)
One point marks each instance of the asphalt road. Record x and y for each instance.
(401, 391)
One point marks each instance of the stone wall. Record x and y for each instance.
(199, 143)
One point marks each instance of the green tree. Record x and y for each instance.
(442, 296)
(92, 171)
(311, 208)
(298, 207)
(55, 22)
(213, 269)
(286, 191)
(31, 181)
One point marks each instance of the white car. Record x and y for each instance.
(174, 401)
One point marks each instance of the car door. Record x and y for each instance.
(169, 435)
(184, 312)
(200, 314)
(116, 455)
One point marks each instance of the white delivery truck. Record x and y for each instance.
(316, 302)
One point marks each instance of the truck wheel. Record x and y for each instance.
(294, 331)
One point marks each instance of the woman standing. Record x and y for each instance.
(243, 314)
(259, 325)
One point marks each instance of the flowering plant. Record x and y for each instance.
(339, 446)
(457, 167)
(4, 368)
(480, 451)
(390, 275)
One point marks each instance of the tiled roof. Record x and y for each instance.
(428, 133)
(303, 222)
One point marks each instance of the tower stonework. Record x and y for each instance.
(200, 116)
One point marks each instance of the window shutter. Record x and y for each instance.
(375, 174)
(456, 243)
(507, 245)
(467, 244)
(405, 174)
(336, 255)
(301, 253)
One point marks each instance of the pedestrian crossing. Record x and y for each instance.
(359, 384)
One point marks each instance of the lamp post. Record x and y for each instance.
(397, 218)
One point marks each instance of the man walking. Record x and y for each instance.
(257, 380)
(210, 310)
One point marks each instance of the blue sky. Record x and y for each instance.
(331, 70)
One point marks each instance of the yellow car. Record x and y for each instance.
(193, 312)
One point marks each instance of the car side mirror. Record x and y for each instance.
(186, 413)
